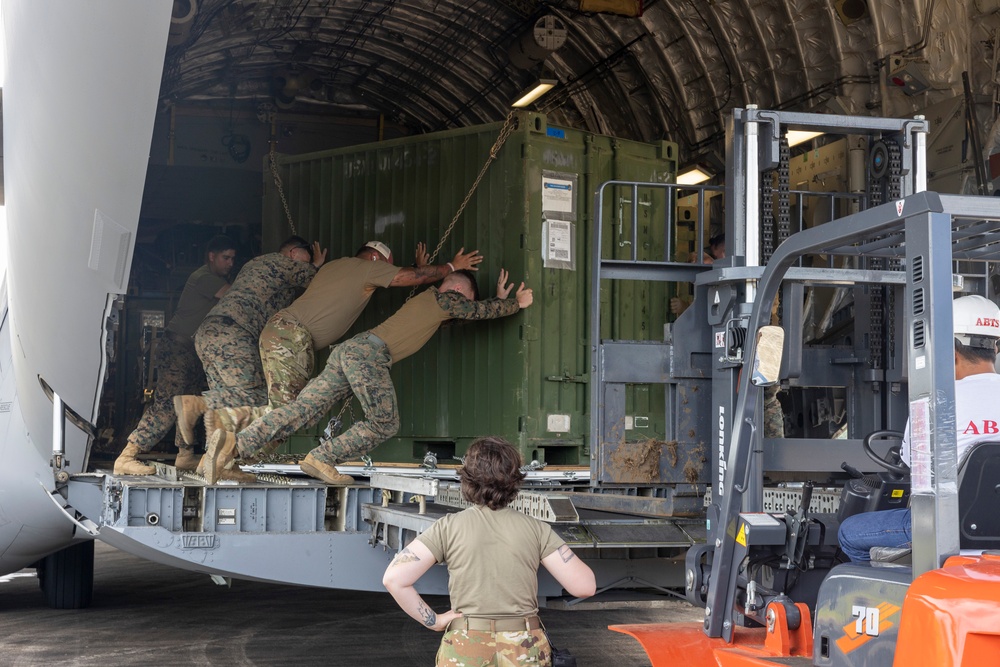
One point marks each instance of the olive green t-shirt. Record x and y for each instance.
(338, 293)
(493, 559)
(196, 300)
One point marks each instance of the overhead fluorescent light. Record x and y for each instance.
(796, 137)
(693, 176)
(541, 87)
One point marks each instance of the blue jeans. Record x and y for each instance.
(888, 528)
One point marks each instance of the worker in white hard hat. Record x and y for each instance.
(977, 417)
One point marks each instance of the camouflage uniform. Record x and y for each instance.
(287, 345)
(774, 416)
(288, 358)
(178, 372)
(227, 341)
(361, 366)
(471, 648)
(177, 365)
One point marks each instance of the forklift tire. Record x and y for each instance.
(67, 577)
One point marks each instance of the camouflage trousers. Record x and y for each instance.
(231, 359)
(359, 366)
(774, 416)
(178, 371)
(471, 648)
(286, 353)
(287, 357)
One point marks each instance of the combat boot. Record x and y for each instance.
(188, 409)
(127, 462)
(211, 422)
(220, 451)
(236, 475)
(313, 467)
(201, 466)
(186, 458)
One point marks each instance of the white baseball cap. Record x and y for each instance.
(381, 248)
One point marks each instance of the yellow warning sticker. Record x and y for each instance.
(741, 537)
(897, 493)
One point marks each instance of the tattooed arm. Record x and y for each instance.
(572, 573)
(403, 572)
(427, 273)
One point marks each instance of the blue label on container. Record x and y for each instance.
(555, 132)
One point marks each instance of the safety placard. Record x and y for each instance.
(557, 195)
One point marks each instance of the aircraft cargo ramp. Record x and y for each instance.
(296, 530)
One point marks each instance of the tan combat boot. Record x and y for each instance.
(211, 422)
(324, 471)
(186, 459)
(220, 451)
(127, 462)
(237, 475)
(188, 409)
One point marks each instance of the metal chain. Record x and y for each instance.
(876, 312)
(766, 216)
(895, 173)
(784, 184)
(883, 298)
(895, 187)
(335, 423)
(509, 125)
(281, 189)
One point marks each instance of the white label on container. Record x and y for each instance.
(558, 423)
(560, 241)
(557, 195)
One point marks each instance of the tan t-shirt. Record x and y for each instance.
(419, 318)
(196, 300)
(337, 295)
(493, 559)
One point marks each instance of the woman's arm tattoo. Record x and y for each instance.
(426, 613)
(404, 556)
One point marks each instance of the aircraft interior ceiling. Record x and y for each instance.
(672, 73)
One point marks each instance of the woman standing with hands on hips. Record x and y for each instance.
(492, 553)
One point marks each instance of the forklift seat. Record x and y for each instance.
(978, 498)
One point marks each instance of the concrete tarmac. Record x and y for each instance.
(149, 614)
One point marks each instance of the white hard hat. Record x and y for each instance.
(977, 321)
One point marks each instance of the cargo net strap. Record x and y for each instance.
(509, 125)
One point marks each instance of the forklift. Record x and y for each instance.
(772, 583)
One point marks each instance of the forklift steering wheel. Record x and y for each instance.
(897, 468)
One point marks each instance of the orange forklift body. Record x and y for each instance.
(950, 618)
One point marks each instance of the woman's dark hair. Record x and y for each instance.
(491, 474)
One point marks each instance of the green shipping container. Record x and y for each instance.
(523, 377)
